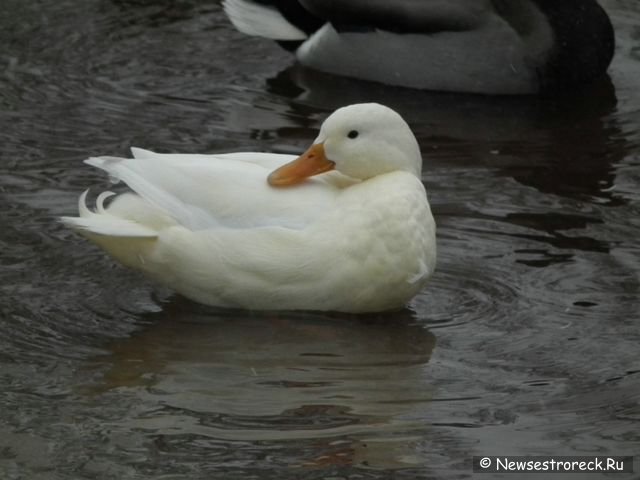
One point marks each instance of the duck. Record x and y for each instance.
(492, 47)
(346, 226)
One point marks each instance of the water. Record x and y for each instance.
(525, 342)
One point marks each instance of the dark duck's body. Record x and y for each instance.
(479, 46)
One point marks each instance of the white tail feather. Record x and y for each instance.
(103, 223)
(132, 172)
(261, 20)
(142, 153)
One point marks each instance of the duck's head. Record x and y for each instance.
(362, 141)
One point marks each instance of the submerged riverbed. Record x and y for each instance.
(526, 342)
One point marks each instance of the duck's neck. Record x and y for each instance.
(583, 43)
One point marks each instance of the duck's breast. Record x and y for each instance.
(383, 244)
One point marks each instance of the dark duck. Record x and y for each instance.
(480, 46)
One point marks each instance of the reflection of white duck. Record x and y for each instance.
(481, 46)
(358, 239)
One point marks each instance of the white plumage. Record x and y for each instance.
(360, 238)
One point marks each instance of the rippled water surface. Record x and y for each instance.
(527, 340)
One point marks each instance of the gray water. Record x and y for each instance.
(525, 342)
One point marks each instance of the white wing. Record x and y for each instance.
(230, 190)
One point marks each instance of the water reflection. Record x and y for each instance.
(349, 384)
(489, 131)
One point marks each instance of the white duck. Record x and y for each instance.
(480, 46)
(224, 231)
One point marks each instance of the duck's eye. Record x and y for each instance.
(353, 134)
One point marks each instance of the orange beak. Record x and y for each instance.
(312, 162)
